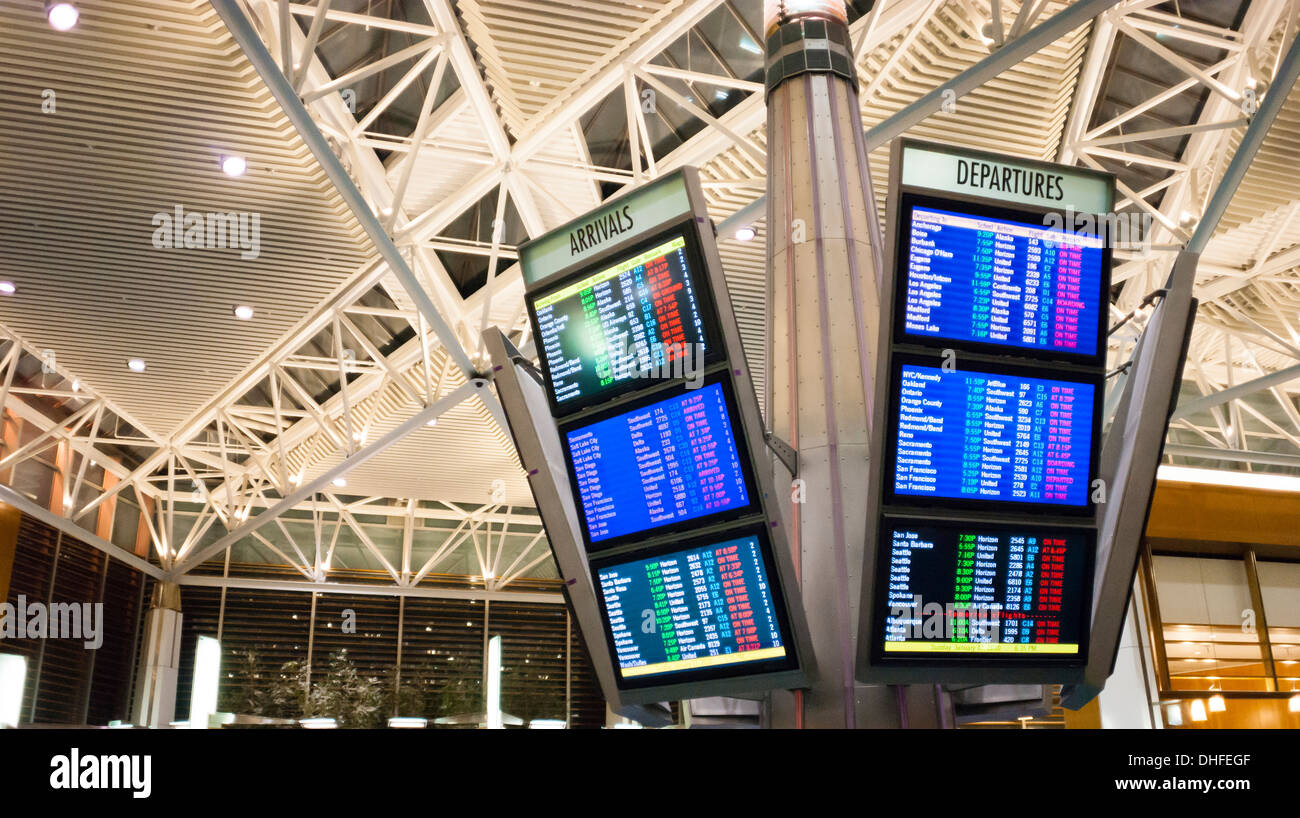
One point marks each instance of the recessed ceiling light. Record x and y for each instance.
(244, 312)
(8, 288)
(234, 165)
(136, 364)
(340, 482)
(62, 16)
(746, 233)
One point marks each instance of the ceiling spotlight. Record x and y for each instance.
(244, 312)
(746, 233)
(135, 364)
(7, 288)
(1198, 710)
(62, 16)
(233, 165)
(1293, 703)
(340, 482)
(431, 422)
(1217, 704)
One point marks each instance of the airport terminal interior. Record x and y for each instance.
(583, 364)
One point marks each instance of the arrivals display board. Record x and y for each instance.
(986, 420)
(660, 463)
(644, 316)
(705, 609)
(1003, 593)
(649, 471)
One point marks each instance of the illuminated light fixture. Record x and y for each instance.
(295, 479)
(62, 16)
(340, 482)
(76, 387)
(779, 13)
(1250, 480)
(1187, 217)
(547, 724)
(494, 721)
(13, 678)
(136, 364)
(408, 722)
(1293, 704)
(7, 288)
(1174, 715)
(207, 678)
(1218, 704)
(319, 724)
(233, 165)
(431, 422)
(746, 233)
(1198, 710)
(244, 312)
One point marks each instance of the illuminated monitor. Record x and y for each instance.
(982, 435)
(643, 316)
(997, 593)
(990, 277)
(708, 610)
(671, 460)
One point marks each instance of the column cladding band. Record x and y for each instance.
(807, 46)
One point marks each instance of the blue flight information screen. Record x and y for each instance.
(692, 610)
(993, 281)
(971, 435)
(664, 463)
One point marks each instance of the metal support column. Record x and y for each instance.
(824, 306)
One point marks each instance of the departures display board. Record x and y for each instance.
(986, 424)
(668, 506)
(710, 607)
(666, 461)
(977, 436)
(1004, 593)
(643, 317)
(992, 276)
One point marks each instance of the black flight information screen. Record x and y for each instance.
(986, 280)
(972, 435)
(983, 591)
(709, 608)
(671, 461)
(641, 317)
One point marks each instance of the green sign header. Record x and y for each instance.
(588, 236)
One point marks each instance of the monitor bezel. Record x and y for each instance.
(909, 200)
(879, 657)
(790, 662)
(670, 390)
(891, 498)
(714, 344)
